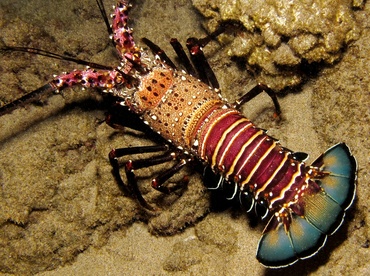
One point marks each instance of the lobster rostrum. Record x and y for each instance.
(306, 202)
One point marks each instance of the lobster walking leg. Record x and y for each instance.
(183, 58)
(201, 69)
(133, 187)
(158, 51)
(255, 91)
(132, 165)
(205, 72)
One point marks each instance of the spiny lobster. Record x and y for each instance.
(306, 202)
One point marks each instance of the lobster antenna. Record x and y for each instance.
(48, 88)
(28, 98)
(55, 56)
(105, 17)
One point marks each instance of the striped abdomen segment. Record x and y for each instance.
(243, 153)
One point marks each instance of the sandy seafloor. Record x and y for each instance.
(61, 212)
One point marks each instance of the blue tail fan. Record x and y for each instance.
(338, 168)
(300, 230)
(287, 243)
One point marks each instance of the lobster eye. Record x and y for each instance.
(246, 200)
(261, 208)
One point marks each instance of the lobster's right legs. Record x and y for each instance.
(132, 165)
(255, 91)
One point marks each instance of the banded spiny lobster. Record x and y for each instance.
(306, 202)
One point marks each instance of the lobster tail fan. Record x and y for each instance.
(299, 231)
(275, 247)
(323, 212)
(284, 243)
(337, 174)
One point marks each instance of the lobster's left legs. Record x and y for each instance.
(206, 73)
(158, 51)
(195, 47)
(183, 58)
(201, 69)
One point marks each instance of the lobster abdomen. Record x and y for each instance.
(308, 202)
(244, 154)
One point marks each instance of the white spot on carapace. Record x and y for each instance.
(190, 103)
(154, 117)
(196, 143)
(183, 78)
